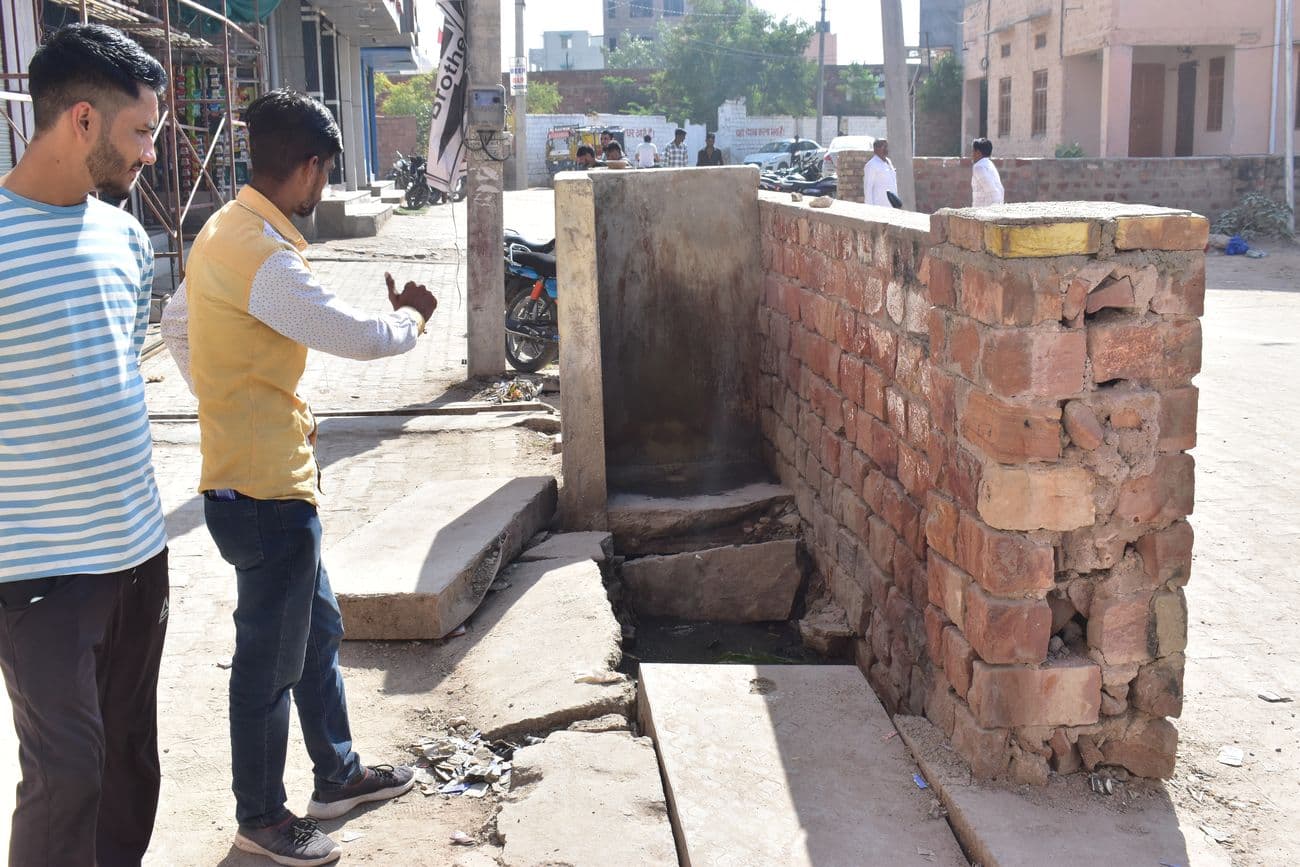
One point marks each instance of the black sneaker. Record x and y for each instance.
(378, 783)
(294, 842)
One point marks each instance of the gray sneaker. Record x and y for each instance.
(294, 842)
(377, 783)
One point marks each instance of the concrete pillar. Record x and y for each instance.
(291, 64)
(898, 109)
(486, 273)
(1116, 87)
(353, 150)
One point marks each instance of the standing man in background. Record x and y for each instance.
(647, 155)
(674, 156)
(83, 556)
(880, 178)
(985, 182)
(709, 155)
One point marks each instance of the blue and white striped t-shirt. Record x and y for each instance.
(77, 491)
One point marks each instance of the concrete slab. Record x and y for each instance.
(1063, 823)
(422, 565)
(590, 545)
(534, 649)
(643, 517)
(791, 765)
(736, 584)
(586, 800)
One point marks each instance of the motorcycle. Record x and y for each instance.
(805, 176)
(419, 193)
(532, 303)
(400, 173)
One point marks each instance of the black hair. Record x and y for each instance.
(89, 63)
(984, 146)
(614, 145)
(709, 135)
(586, 151)
(646, 137)
(286, 129)
(679, 131)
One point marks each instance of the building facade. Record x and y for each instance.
(567, 49)
(941, 24)
(1121, 78)
(639, 19)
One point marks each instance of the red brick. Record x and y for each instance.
(1148, 748)
(942, 517)
(1082, 426)
(912, 365)
(1012, 433)
(964, 346)
(861, 343)
(1183, 292)
(1167, 554)
(1005, 564)
(987, 751)
(896, 410)
(1121, 629)
(958, 658)
(856, 516)
(961, 475)
(882, 542)
(851, 413)
(1007, 630)
(1162, 232)
(1170, 610)
(1158, 689)
(904, 516)
(947, 588)
(1178, 419)
(1064, 693)
(940, 283)
(1007, 298)
(1147, 350)
(884, 448)
(882, 346)
(1046, 364)
(1117, 293)
(830, 453)
(873, 394)
(846, 324)
(919, 424)
(943, 399)
(874, 491)
(909, 575)
(935, 623)
(873, 293)
(913, 472)
(1166, 494)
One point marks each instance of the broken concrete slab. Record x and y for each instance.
(423, 565)
(1063, 823)
(825, 629)
(638, 519)
(610, 722)
(738, 584)
(534, 648)
(586, 800)
(589, 545)
(805, 753)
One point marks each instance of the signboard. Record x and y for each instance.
(518, 76)
(447, 152)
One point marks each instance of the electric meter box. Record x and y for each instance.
(487, 108)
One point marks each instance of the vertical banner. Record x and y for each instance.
(519, 76)
(446, 132)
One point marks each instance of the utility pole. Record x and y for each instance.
(487, 336)
(1288, 130)
(821, 73)
(521, 105)
(897, 109)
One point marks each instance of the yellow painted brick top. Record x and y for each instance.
(1043, 239)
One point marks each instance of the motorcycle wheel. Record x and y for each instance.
(417, 196)
(529, 355)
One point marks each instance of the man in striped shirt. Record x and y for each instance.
(83, 558)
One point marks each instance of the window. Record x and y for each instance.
(611, 8)
(1040, 40)
(1006, 49)
(1040, 102)
(1214, 111)
(643, 8)
(674, 7)
(1004, 107)
(566, 41)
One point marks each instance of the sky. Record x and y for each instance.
(855, 22)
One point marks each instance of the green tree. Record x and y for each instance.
(629, 96)
(728, 49)
(941, 89)
(858, 89)
(411, 98)
(638, 53)
(543, 97)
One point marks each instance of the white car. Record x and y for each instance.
(780, 154)
(830, 165)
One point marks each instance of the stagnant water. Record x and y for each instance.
(661, 639)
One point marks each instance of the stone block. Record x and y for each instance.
(1167, 554)
(948, 586)
(935, 624)
(941, 522)
(1158, 689)
(1061, 693)
(966, 233)
(590, 545)
(1178, 419)
(958, 659)
(1145, 350)
(1008, 297)
(1007, 630)
(1166, 494)
(1148, 748)
(1082, 426)
(1012, 433)
(1005, 564)
(1165, 232)
(1041, 240)
(1018, 363)
(1080, 284)
(826, 630)
(1183, 292)
(986, 750)
(1112, 293)
(1036, 498)
(1171, 622)
(737, 584)
(1120, 629)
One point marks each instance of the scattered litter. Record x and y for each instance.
(460, 838)
(1231, 756)
(476, 790)
(455, 765)
(1215, 834)
(821, 202)
(350, 836)
(925, 853)
(457, 721)
(937, 809)
(920, 781)
(512, 391)
(600, 678)
(154, 377)
(457, 632)
(1101, 784)
(1256, 254)
(1274, 698)
(228, 663)
(889, 737)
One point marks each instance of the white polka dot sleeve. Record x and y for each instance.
(288, 297)
(176, 332)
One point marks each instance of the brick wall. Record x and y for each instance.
(1204, 185)
(985, 427)
(394, 134)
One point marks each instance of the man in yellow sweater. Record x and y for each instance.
(239, 328)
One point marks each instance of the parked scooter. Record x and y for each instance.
(400, 173)
(532, 303)
(805, 176)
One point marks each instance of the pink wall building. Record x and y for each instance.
(1141, 78)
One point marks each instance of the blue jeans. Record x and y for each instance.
(287, 634)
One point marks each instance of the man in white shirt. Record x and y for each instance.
(985, 182)
(647, 155)
(880, 178)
